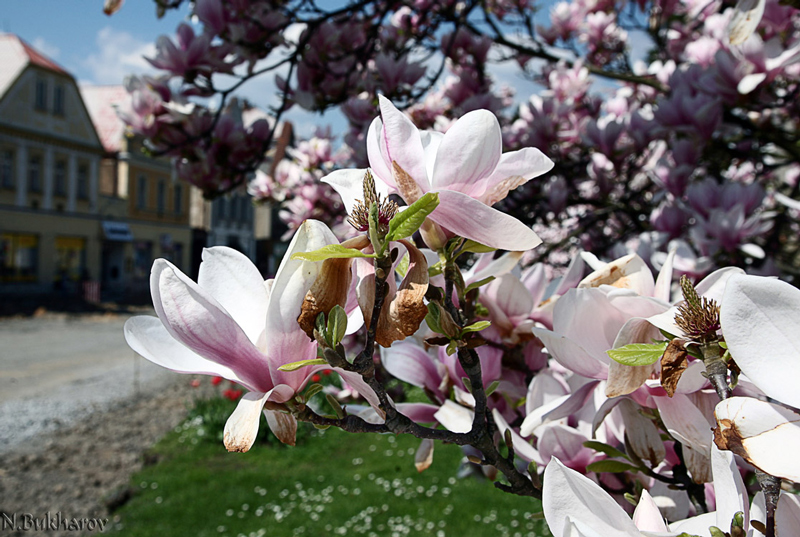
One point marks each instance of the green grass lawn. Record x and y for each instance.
(332, 483)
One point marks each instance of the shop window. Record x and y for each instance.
(161, 196)
(70, 259)
(7, 168)
(19, 257)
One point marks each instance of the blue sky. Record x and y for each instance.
(99, 49)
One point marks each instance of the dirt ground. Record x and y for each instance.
(83, 470)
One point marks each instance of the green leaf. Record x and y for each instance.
(452, 347)
(716, 532)
(337, 325)
(433, 318)
(332, 251)
(406, 222)
(436, 269)
(611, 467)
(477, 284)
(492, 387)
(402, 266)
(475, 327)
(312, 390)
(294, 366)
(476, 247)
(605, 448)
(638, 353)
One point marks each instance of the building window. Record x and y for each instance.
(58, 100)
(41, 95)
(141, 192)
(142, 259)
(177, 200)
(70, 258)
(161, 196)
(83, 181)
(7, 168)
(61, 178)
(35, 174)
(19, 256)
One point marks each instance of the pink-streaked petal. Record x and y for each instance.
(731, 494)
(468, 154)
(286, 341)
(381, 168)
(430, 144)
(624, 379)
(234, 281)
(358, 383)
(684, 421)
(510, 295)
(424, 456)
(349, 184)
(198, 321)
(572, 277)
(570, 495)
(642, 434)
(571, 355)
(469, 218)
(148, 337)
(557, 409)
(535, 281)
(760, 318)
(587, 315)
(697, 525)
(418, 412)
(663, 287)
(241, 428)
(282, 425)
(746, 16)
(545, 387)
(522, 447)
(488, 265)
(565, 443)
(514, 169)
(402, 144)
(646, 516)
(410, 363)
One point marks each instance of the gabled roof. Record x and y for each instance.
(101, 101)
(16, 55)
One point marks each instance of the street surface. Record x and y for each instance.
(57, 368)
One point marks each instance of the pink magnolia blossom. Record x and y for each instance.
(233, 324)
(465, 167)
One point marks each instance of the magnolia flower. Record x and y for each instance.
(233, 324)
(759, 318)
(746, 16)
(465, 166)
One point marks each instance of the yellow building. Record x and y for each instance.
(144, 208)
(50, 228)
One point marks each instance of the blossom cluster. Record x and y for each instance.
(608, 388)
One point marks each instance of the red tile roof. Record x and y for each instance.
(16, 55)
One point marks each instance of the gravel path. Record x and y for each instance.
(78, 412)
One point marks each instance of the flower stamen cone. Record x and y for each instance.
(359, 218)
(698, 316)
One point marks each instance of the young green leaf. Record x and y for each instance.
(433, 318)
(408, 221)
(477, 284)
(476, 247)
(611, 467)
(475, 327)
(332, 251)
(337, 325)
(294, 366)
(605, 448)
(638, 353)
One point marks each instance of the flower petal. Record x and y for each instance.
(410, 363)
(469, 218)
(571, 355)
(684, 421)
(647, 516)
(283, 425)
(746, 16)
(759, 317)
(731, 495)
(629, 272)
(468, 154)
(567, 493)
(454, 417)
(198, 321)
(764, 434)
(349, 184)
(235, 282)
(148, 337)
(514, 169)
(402, 144)
(241, 428)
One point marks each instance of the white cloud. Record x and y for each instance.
(51, 51)
(118, 55)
